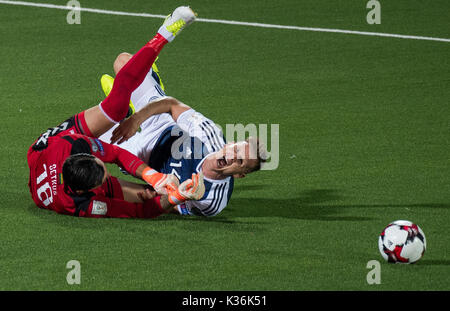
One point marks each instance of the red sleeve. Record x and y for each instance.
(113, 154)
(101, 207)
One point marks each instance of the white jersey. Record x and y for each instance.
(205, 138)
(160, 132)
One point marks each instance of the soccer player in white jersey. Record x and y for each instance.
(176, 139)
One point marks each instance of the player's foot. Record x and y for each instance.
(177, 21)
(157, 76)
(107, 83)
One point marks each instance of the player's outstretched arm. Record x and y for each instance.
(191, 189)
(133, 165)
(130, 126)
(147, 195)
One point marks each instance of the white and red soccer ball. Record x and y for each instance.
(402, 242)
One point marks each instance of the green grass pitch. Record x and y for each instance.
(364, 140)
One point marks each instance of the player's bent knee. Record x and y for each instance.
(121, 60)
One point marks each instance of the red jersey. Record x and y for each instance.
(46, 158)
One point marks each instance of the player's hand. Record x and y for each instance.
(147, 194)
(194, 188)
(191, 189)
(125, 130)
(159, 181)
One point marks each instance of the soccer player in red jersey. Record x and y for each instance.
(67, 170)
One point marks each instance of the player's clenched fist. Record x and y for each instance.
(191, 189)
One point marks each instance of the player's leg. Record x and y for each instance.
(149, 90)
(114, 108)
(120, 61)
(124, 57)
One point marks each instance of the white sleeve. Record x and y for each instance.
(206, 208)
(197, 125)
(215, 201)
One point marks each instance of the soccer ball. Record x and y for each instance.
(402, 242)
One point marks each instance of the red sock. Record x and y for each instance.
(115, 106)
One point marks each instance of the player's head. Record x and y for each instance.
(241, 158)
(83, 172)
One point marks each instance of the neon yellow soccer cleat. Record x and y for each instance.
(107, 83)
(177, 21)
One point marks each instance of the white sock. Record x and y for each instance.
(166, 34)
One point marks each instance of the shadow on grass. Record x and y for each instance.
(305, 206)
(434, 262)
(311, 204)
(316, 204)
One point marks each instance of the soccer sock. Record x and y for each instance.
(115, 105)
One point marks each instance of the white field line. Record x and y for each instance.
(219, 21)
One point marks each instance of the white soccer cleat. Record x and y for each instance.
(177, 21)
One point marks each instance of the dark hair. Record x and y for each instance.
(81, 172)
